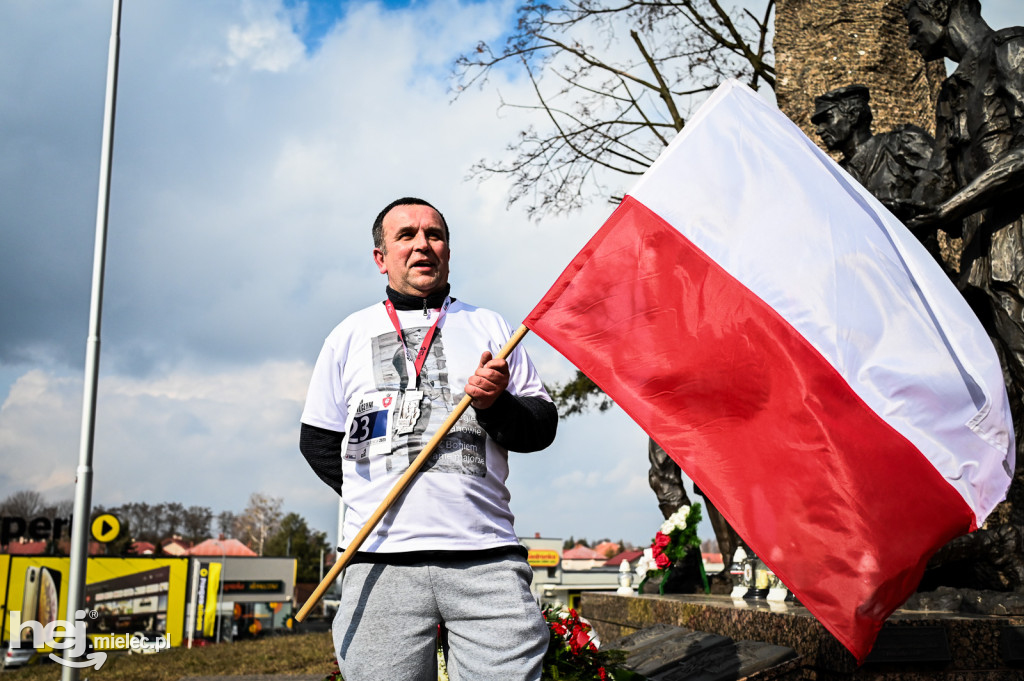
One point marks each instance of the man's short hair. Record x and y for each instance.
(852, 100)
(378, 224)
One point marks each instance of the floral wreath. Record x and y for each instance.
(573, 653)
(676, 537)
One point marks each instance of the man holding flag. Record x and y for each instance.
(796, 350)
(446, 551)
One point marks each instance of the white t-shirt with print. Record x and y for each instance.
(360, 387)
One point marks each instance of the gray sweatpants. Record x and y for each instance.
(386, 626)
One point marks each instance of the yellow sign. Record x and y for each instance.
(5, 564)
(137, 594)
(542, 558)
(126, 595)
(210, 612)
(105, 528)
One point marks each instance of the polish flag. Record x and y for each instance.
(801, 356)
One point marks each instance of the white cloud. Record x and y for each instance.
(207, 438)
(264, 46)
(39, 426)
(266, 41)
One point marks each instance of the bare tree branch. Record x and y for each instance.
(663, 90)
(604, 101)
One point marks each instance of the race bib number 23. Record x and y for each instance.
(368, 427)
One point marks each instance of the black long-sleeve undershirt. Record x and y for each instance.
(322, 449)
(519, 423)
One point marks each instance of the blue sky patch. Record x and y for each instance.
(321, 15)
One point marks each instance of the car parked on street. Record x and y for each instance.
(332, 601)
(18, 657)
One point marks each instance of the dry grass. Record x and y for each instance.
(291, 655)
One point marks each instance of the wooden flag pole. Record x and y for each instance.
(400, 486)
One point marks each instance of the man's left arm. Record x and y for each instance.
(519, 423)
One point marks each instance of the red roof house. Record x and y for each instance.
(26, 548)
(175, 546)
(581, 552)
(625, 556)
(221, 547)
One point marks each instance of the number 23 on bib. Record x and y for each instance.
(369, 431)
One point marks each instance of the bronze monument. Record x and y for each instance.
(972, 189)
(887, 164)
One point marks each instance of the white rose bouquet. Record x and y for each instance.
(674, 539)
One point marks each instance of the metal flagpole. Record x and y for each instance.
(83, 479)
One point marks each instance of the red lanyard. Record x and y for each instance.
(421, 354)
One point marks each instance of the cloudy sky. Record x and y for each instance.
(255, 142)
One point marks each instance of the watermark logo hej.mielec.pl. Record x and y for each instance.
(71, 637)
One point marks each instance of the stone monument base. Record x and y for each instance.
(911, 646)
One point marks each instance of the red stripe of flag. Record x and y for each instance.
(842, 507)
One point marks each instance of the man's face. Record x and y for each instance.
(926, 32)
(833, 127)
(415, 251)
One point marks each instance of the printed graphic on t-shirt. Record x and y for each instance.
(463, 450)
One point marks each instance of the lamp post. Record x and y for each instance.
(78, 561)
